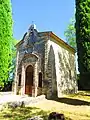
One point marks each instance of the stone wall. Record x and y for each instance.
(55, 61)
(60, 69)
(22, 62)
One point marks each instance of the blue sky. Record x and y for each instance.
(48, 15)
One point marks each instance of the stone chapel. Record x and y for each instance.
(45, 64)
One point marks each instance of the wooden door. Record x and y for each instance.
(29, 80)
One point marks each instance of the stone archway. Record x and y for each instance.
(29, 80)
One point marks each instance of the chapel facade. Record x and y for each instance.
(45, 64)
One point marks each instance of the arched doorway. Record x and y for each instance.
(29, 80)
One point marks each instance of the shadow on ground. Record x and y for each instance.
(71, 101)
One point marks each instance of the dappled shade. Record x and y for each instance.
(24, 113)
(71, 101)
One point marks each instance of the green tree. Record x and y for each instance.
(70, 33)
(12, 67)
(83, 34)
(5, 40)
(83, 40)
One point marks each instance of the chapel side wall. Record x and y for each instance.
(65, 69)
(50, 84)
(46, 74)
(65, 78)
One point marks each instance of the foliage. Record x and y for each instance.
(8, 85)
(83, 34)
(5, 39)
(12, 67)
(70, 33)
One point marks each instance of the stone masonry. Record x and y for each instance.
(45, 64)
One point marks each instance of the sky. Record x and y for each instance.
(48, 15)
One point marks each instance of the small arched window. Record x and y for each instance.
(40, 80)
(19, 80)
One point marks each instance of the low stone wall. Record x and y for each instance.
(32, 100)
(24, 101)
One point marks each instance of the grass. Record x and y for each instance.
(74, 107)
(22, 113)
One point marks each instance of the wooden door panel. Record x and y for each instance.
(28, 89)
(29, 80)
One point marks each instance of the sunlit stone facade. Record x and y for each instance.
(45, 64)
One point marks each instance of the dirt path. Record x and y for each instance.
(75, 112)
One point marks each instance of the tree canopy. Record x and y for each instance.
(83, 34)
(12, 67)
(5, 39)
(70, 33)
(83, 41)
